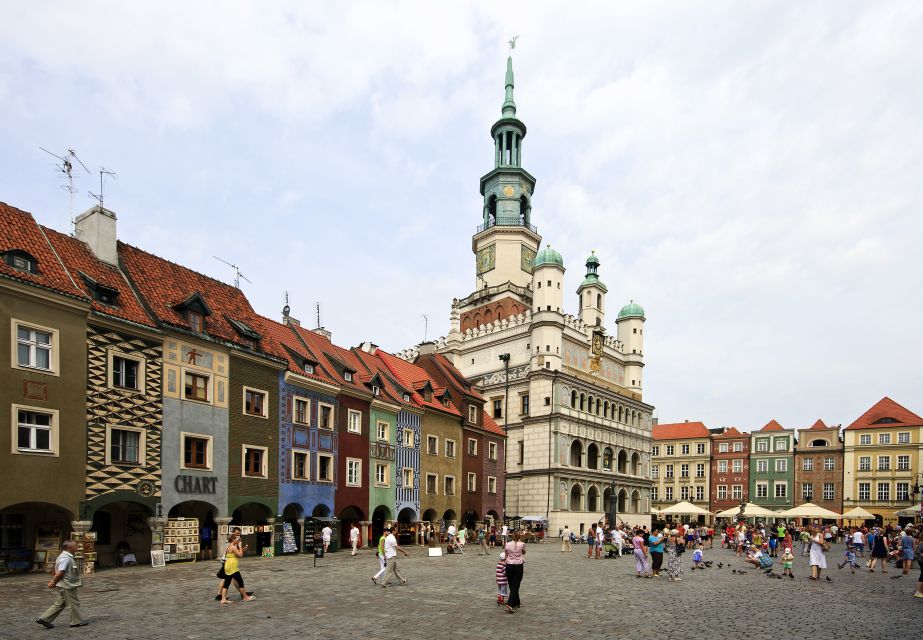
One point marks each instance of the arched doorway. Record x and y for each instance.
(623, 499)
(250, 516)
(592, 499)
(576, 498)
(320, 511)
(379, 517)
(121, 528)
(470, 520)
(31, 526)
(348, 516)
(405, 526)
(576, 454)
(292, 513)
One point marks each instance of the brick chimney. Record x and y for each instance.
(96, 227)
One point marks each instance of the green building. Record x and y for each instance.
(772, 466)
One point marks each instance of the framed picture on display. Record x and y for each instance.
(158, 559)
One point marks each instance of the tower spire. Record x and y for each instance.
(509, 105)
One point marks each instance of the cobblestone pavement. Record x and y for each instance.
(564, 595)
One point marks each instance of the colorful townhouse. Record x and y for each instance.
(484, 440)
(730, 469)
(680, 459)
(43, 436)
(772, 460)
(819, 466)
(883, 461)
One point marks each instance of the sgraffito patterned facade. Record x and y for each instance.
(137, 410)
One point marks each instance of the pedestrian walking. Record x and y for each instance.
(880, 550)
(503, 585)
(565, 539)
(919, 556)
(656, 548)
(591, 541)
(482, 541)
(906, 544)
(354, 538)
(232, 553)
(858, 542)
(380, 553)
(640, 551)
(391, 548)
(325, 534)
(67, 581)
(600, 541)
(788, 560)
(818, 560)
(515, 560)
(222, 575)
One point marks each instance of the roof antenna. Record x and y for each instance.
(103, 172)
(318, 315)
(66, 167)
(237, 274)
(425, 327)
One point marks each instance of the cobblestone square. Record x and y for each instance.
(563, 595)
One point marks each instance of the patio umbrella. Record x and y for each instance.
(912, 511)
(750, 511)
(809, 510)
(858, 513)
(684, 509)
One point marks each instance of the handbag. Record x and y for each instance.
(221, 574)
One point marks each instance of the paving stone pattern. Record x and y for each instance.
(563, 595)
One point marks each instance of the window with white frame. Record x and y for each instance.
(829, 491)
(36, 430)
(655, 450)
(865, 490)
(491, 450)
(196, 451)
(762, 489)
(865, 463)
(807, 491)
(699, 469)
(829, 464)
(762, 466)
(865, 438)
(738, 447)
(449, 448)
(669, 471)
(325, 415)
(35, 347)
(903, 437)
(197, 386)
(655, 471)
(884, 463)
(884, 438)
(903, 491)
(654, 494)
(668, 493)
(781, 466)
(781, 489)
(472, 447)
(300, 465)
(407, 477)
(354, 421)
(408, 438)
(684, 449)
(670, 449)
(449, 485)
(699, 494)
(684, 493)
(472, 414)
(903, 463)
(807, 464)
(781, 444)
(255, 461)
(762, 445)
(125, 445)
(738, 466)
(353, 472)
(737, 492)
(700, 448)
(432, 483)
(722, 492)
(255, 402)
(126, 373)
(301, 410)
(884, 491)
(382, 430)
(723, 448)
(472, 482)
(722, 466)
(381, 474)
(491, 485)
(684, 471)
(324, 467)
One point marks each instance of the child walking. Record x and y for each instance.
(788, 560)
(849, 558)
(697, 558)
(503, 585)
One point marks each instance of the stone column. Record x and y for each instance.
(272, 535)
(219, 540)
(157, 525)
(365, 527)
(299, 541)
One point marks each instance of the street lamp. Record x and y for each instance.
(505, 358)
(613, 505)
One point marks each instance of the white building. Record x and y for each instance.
(576, 421)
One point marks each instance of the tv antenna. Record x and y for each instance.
(237, 274)
(103, 172)
(66, 167)
(317, 305)
(425, 326)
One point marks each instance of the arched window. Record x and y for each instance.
(607, 459)
(598, 405)
(635, 502)
(606, 409)
(576, 454)
(488, 316)
(620, 413)
(635, 464)
(623, 462)
(525, 208)
(492, 210)
(599, 301)
(819, 443)
(573, 399)
(589, 406)
(623, 498)
(576, 498)
(592, 457)
(592, 499)
(582, 402)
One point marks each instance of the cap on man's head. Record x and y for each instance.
(388, 528)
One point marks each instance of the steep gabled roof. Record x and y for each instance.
(413, 377)
(441, 369)
(491, 425)
(295, 353)
(772, 425)
(818, 426)
(680, 430)
(90, 272)
(886, 413)
(20, 232)
(390, 392)
(731, 432)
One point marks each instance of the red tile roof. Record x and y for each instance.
(772, 425)
(390, 392)
(818, 426)
(18, 230)
(294, 352)
(886, 409)
(333, 359)
(491, 425)
(731, 432)
(79, 258)
(162, 283)
(449, 374)
(412, 377)
(680, 430)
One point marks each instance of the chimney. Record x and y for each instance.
(96, 227)
(369, 347)
(323, 332)
(427, 348)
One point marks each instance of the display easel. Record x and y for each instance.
(49, 540)
(181, 540)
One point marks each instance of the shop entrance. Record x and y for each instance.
(321, 511)
(250, 517)
(470, 519)
(205, 513)
(407, 532)
(379, 517)
(123, 536)
(348, 516)
(291, 514)
(30, 527)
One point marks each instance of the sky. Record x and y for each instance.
(751, 173)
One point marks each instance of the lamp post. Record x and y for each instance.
(505, 358)
(613, 505)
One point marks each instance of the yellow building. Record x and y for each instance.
(680, 459)
(883, 461)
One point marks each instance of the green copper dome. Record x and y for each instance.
(632, 310)
(592, 260)
(548, 256)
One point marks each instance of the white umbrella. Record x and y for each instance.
(912, 511)
(684, 509)
(858, 513)
(750, 511)
(809, 510)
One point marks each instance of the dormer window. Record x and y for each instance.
(308, 367)
(21, 261)
(100, 292)
(376, 390)
(194, 310)
(406, 397)
(348, 376)
(248, 337)
(196, 321)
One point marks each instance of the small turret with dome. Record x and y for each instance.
(548, 256)
(592, 293)
(630, 325)
(547, 304)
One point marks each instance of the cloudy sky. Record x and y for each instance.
(749, 172)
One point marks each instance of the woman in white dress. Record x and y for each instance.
(818, 557)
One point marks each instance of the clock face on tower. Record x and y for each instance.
(486, 258)
(527, 259)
